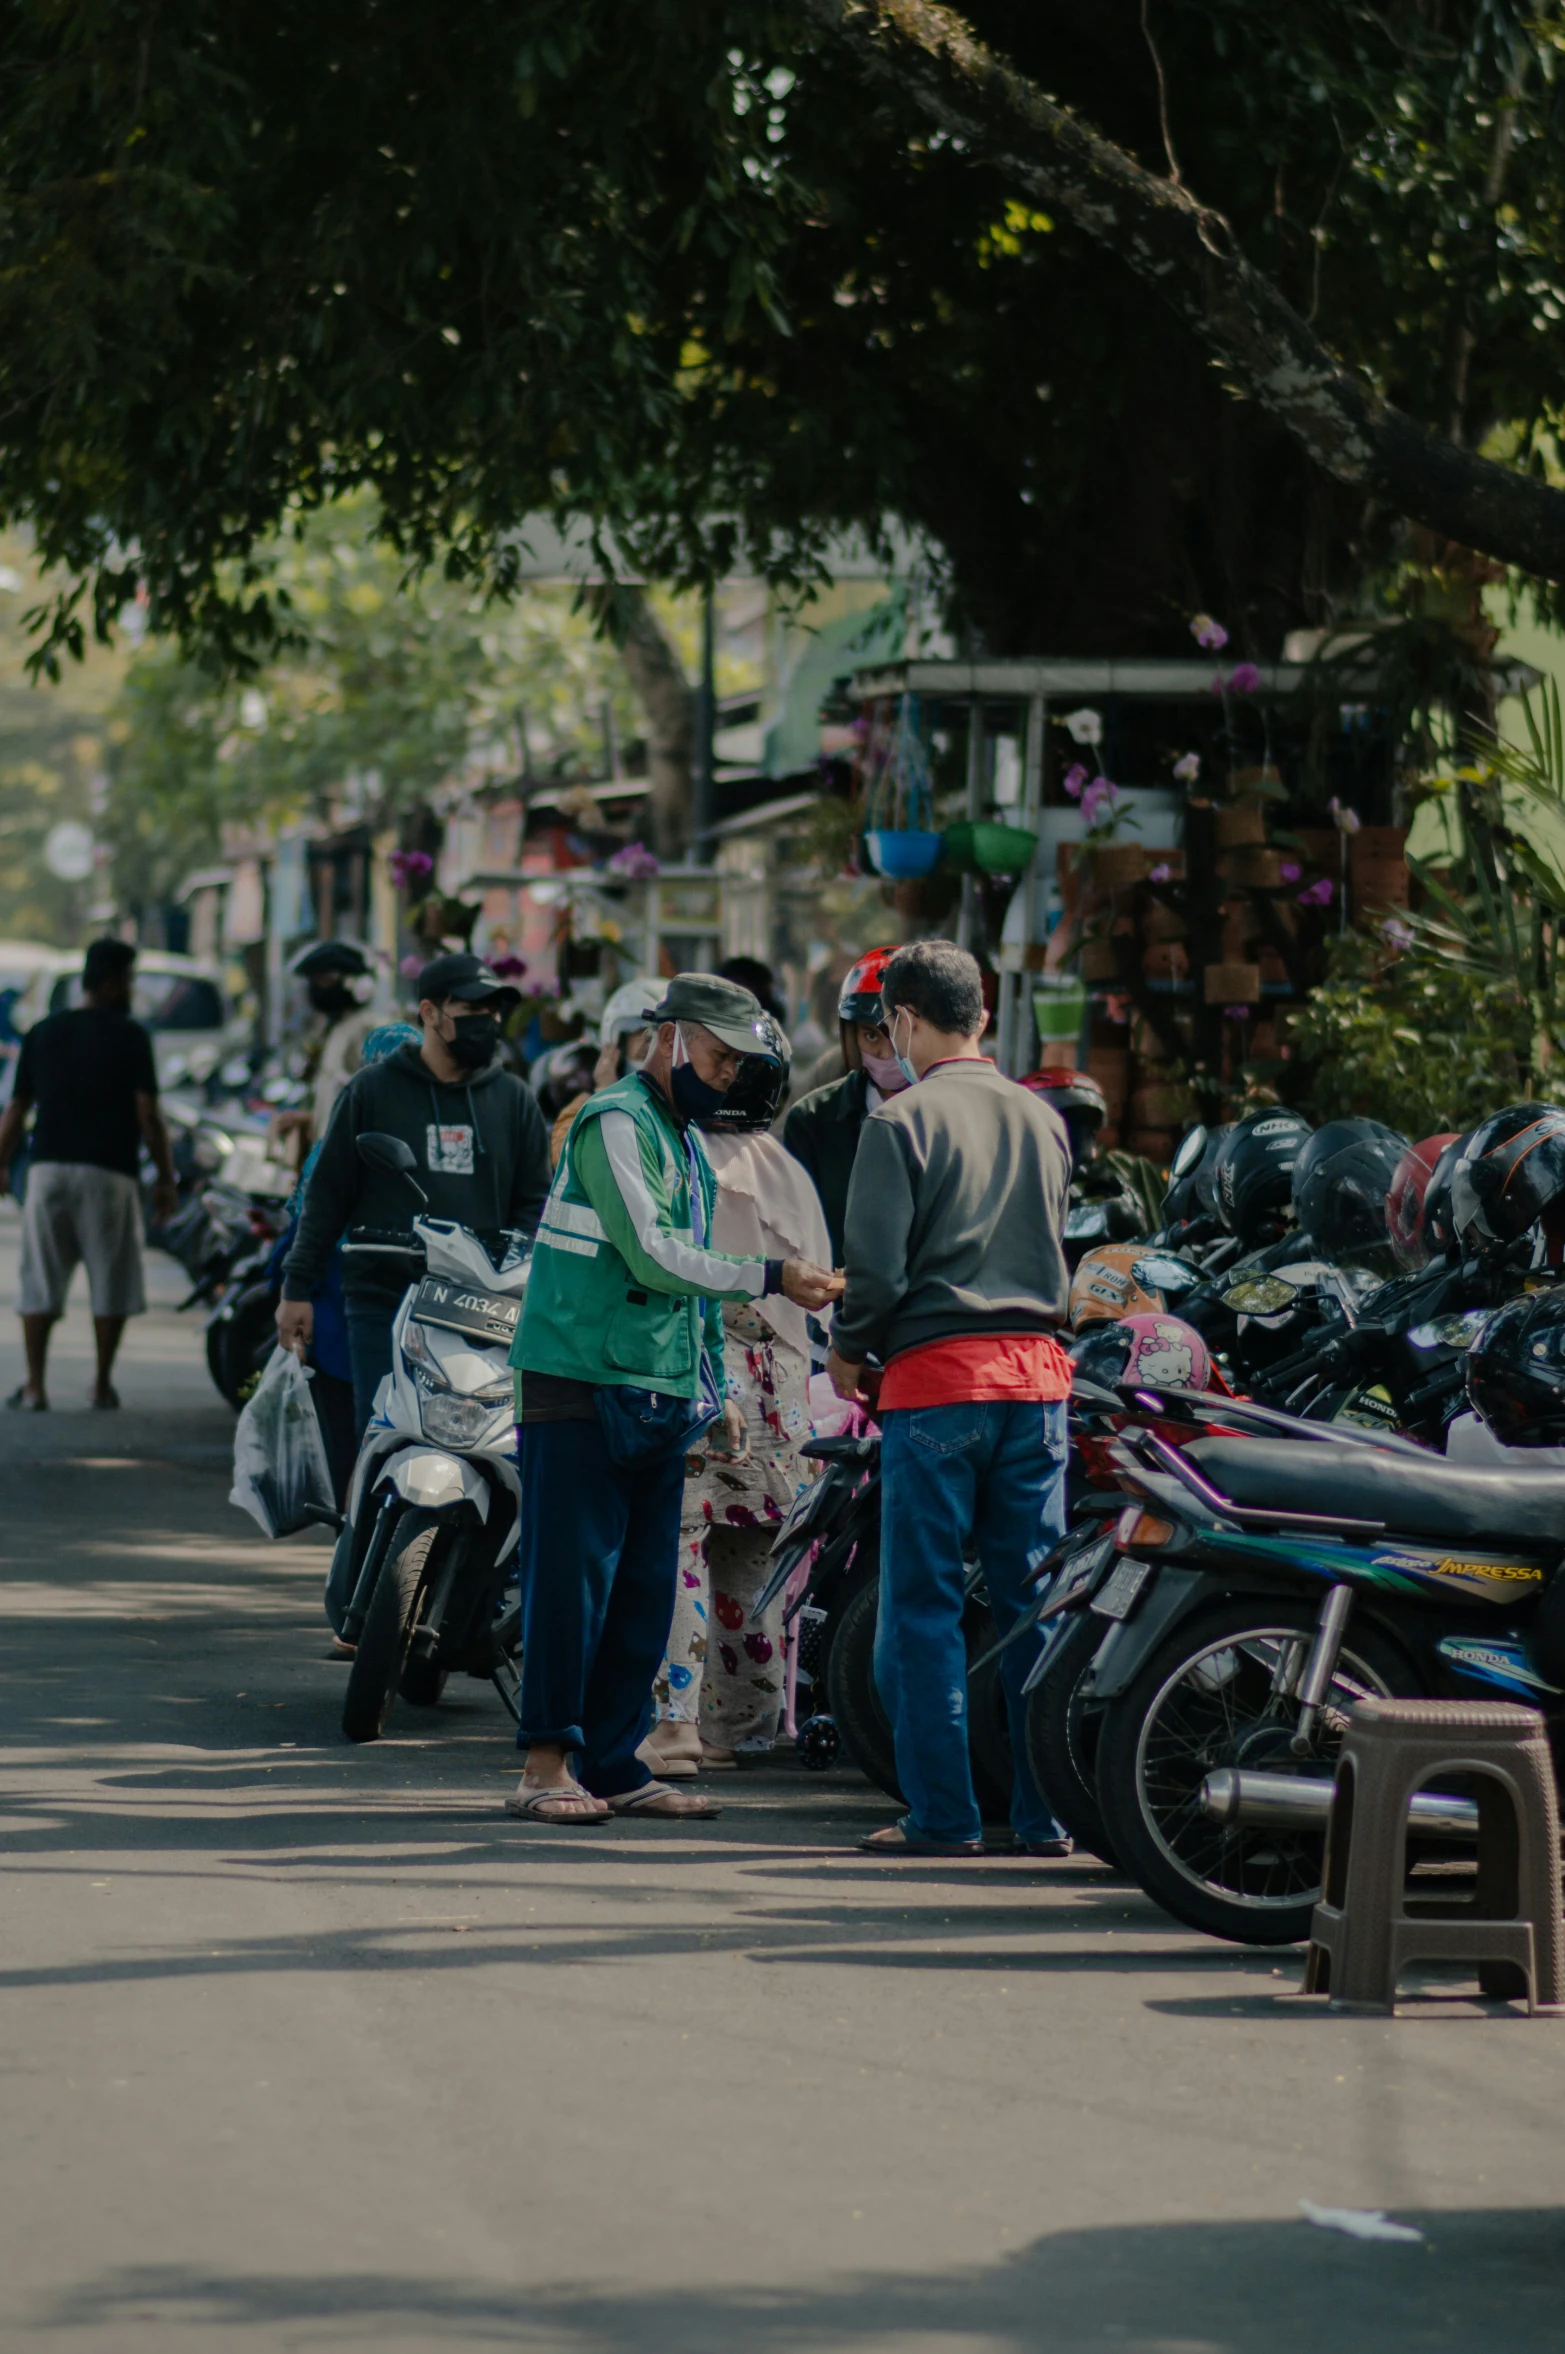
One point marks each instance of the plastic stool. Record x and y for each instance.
(1368, 1926)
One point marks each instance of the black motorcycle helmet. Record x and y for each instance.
(760, 1086)
(1193, 1177)
(1510, 1173)
(1340, 1182)
(1516, 1371)
(1254, 1172)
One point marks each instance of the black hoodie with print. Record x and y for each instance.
(482, 1152)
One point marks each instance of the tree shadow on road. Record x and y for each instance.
(1481, 2282)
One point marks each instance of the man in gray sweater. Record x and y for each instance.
(956, 1280)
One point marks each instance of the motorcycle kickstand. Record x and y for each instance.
(1321, 1665)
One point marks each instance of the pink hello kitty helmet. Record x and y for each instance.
(1164, 1352)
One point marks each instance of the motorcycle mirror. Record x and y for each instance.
(1190, 1150)
(389, 1154)
(1160, 1271)
(1260, 1295)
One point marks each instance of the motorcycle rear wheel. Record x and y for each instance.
(853, 1700)
(248, 1336)
(1202, 1701)
(851, 1697)
(1062, 1740)
(387, 1632)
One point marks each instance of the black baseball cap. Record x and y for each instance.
(466, 977)
(735, 1017)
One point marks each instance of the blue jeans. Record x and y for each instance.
(600, 1554)
(996, 1471)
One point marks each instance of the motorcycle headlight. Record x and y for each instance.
(455, 1422)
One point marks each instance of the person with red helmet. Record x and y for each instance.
(822, 1130)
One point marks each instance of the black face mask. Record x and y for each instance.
(476, 1037)
(331, 998)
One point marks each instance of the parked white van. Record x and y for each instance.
(182, 1002)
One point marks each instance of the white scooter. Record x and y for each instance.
(434, 1509)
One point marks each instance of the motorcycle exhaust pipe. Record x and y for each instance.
(1294, 1802)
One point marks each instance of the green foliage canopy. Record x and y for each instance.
(681, 270)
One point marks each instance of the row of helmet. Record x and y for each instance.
(1355, 1184)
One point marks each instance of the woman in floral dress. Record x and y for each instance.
(719, 1696)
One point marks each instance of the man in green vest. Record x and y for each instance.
(618, 1354)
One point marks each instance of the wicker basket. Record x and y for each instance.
(1232, 984)
(1099, 961)
(1242, 823)
(1254, 868)
(1165, 960)
(1117, 866)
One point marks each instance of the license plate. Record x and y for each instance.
(1118, 1596)
(1076, 1575)
(486, 1315)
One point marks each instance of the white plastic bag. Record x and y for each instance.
(281, 1476)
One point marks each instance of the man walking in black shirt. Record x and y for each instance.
(91, 1075)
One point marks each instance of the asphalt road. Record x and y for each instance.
(305, 2046)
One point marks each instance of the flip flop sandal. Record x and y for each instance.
(21, 1403)
(649, 1800)
(531, 1808)
(104, 1399)
(894, 1841)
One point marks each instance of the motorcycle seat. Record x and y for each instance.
(1429, 1499)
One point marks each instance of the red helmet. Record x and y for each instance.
(1405, 1201)
(859, 1000)
(1074, 1094)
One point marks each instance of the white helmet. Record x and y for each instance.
(627, 1009)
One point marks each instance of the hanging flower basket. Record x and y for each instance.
(902, 855)
(984, 846)
(1232, 984)
(1117, 866)
(1241, 825)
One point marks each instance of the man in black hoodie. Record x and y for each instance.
(476, 1133)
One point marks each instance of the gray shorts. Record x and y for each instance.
(75, 1212)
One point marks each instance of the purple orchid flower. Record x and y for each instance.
(410, 866)
(635, 861)
(1098, 800)
(1396, 934)
(1236, 1013)
(1074, 779)
(1290, 870)
(1162, 873)
(1246, 678)
(1316, 894)
(1208, 634)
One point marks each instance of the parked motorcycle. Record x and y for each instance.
(427, 1555)
(838, 1519)
(1262, 1577)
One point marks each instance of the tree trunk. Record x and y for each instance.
(1189, 255)
(668, 705)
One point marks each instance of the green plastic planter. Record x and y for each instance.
(984, 846)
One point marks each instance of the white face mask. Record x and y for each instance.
(903, 1064)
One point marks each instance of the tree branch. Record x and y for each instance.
(1189, 255)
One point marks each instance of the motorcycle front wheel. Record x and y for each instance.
(1205, 1699)
(405, 1577)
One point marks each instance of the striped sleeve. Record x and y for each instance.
(623, 1210)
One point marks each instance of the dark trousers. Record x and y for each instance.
(370, 1319)
(600, 1553)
